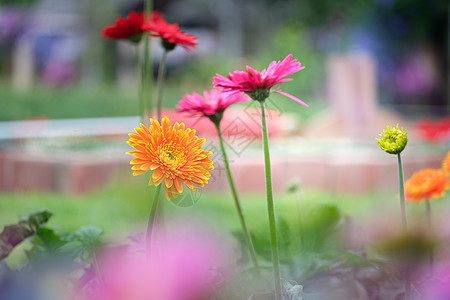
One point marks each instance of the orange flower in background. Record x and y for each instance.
(174, 154)
(425, 185)
(446, 163)
(446, 168)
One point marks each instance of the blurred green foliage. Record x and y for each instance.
(313, 239)
(74, 102)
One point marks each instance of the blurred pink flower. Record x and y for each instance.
(182, 267)
(210, 104)
(439, 287)
(258, 84)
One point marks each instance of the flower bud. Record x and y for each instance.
(393, 140)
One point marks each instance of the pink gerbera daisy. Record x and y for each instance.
(211, 105)
(258, 84)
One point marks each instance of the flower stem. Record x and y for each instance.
(401, 185)
(152, 217)
(428, 207)
(270, 207)
(247, 236)
(147, 78)
(97, 268)
(160, 84)
(140, 84)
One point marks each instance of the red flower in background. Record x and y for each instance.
(129, 28)
(434, 131)
(169, 33)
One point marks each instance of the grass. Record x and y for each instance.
(124, 208)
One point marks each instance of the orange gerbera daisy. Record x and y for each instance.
(174, 154)
(425, 185)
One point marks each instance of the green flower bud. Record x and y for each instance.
(393, 140)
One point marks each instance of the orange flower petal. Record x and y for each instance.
(168, 193)
(157, 174)
(178, 185)
(169, 182)
(158, 181)
(174, 191)
(188, 184)
(138, 172)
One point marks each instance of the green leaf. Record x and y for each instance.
(89, 237)
(13, 235)
(284, 236)
(261, 243)
(242, 257)
(319, 227)
(49, 239)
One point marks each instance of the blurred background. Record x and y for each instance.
(51, 51)
(69, 97)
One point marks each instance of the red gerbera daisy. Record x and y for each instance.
(258, 84)
(170, 34)
(129, 28)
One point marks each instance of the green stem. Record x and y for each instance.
(97, 267)
(160, 84)
(401, 185)
(152, 217)
(270, 207)
(147, 78)
(247, 236)
(428, 206)
(148, 6)
(140, 85)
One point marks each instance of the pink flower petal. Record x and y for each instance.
(292, 97)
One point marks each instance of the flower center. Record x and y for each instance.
(172, 156)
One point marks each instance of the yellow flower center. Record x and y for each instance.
(171, 156)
